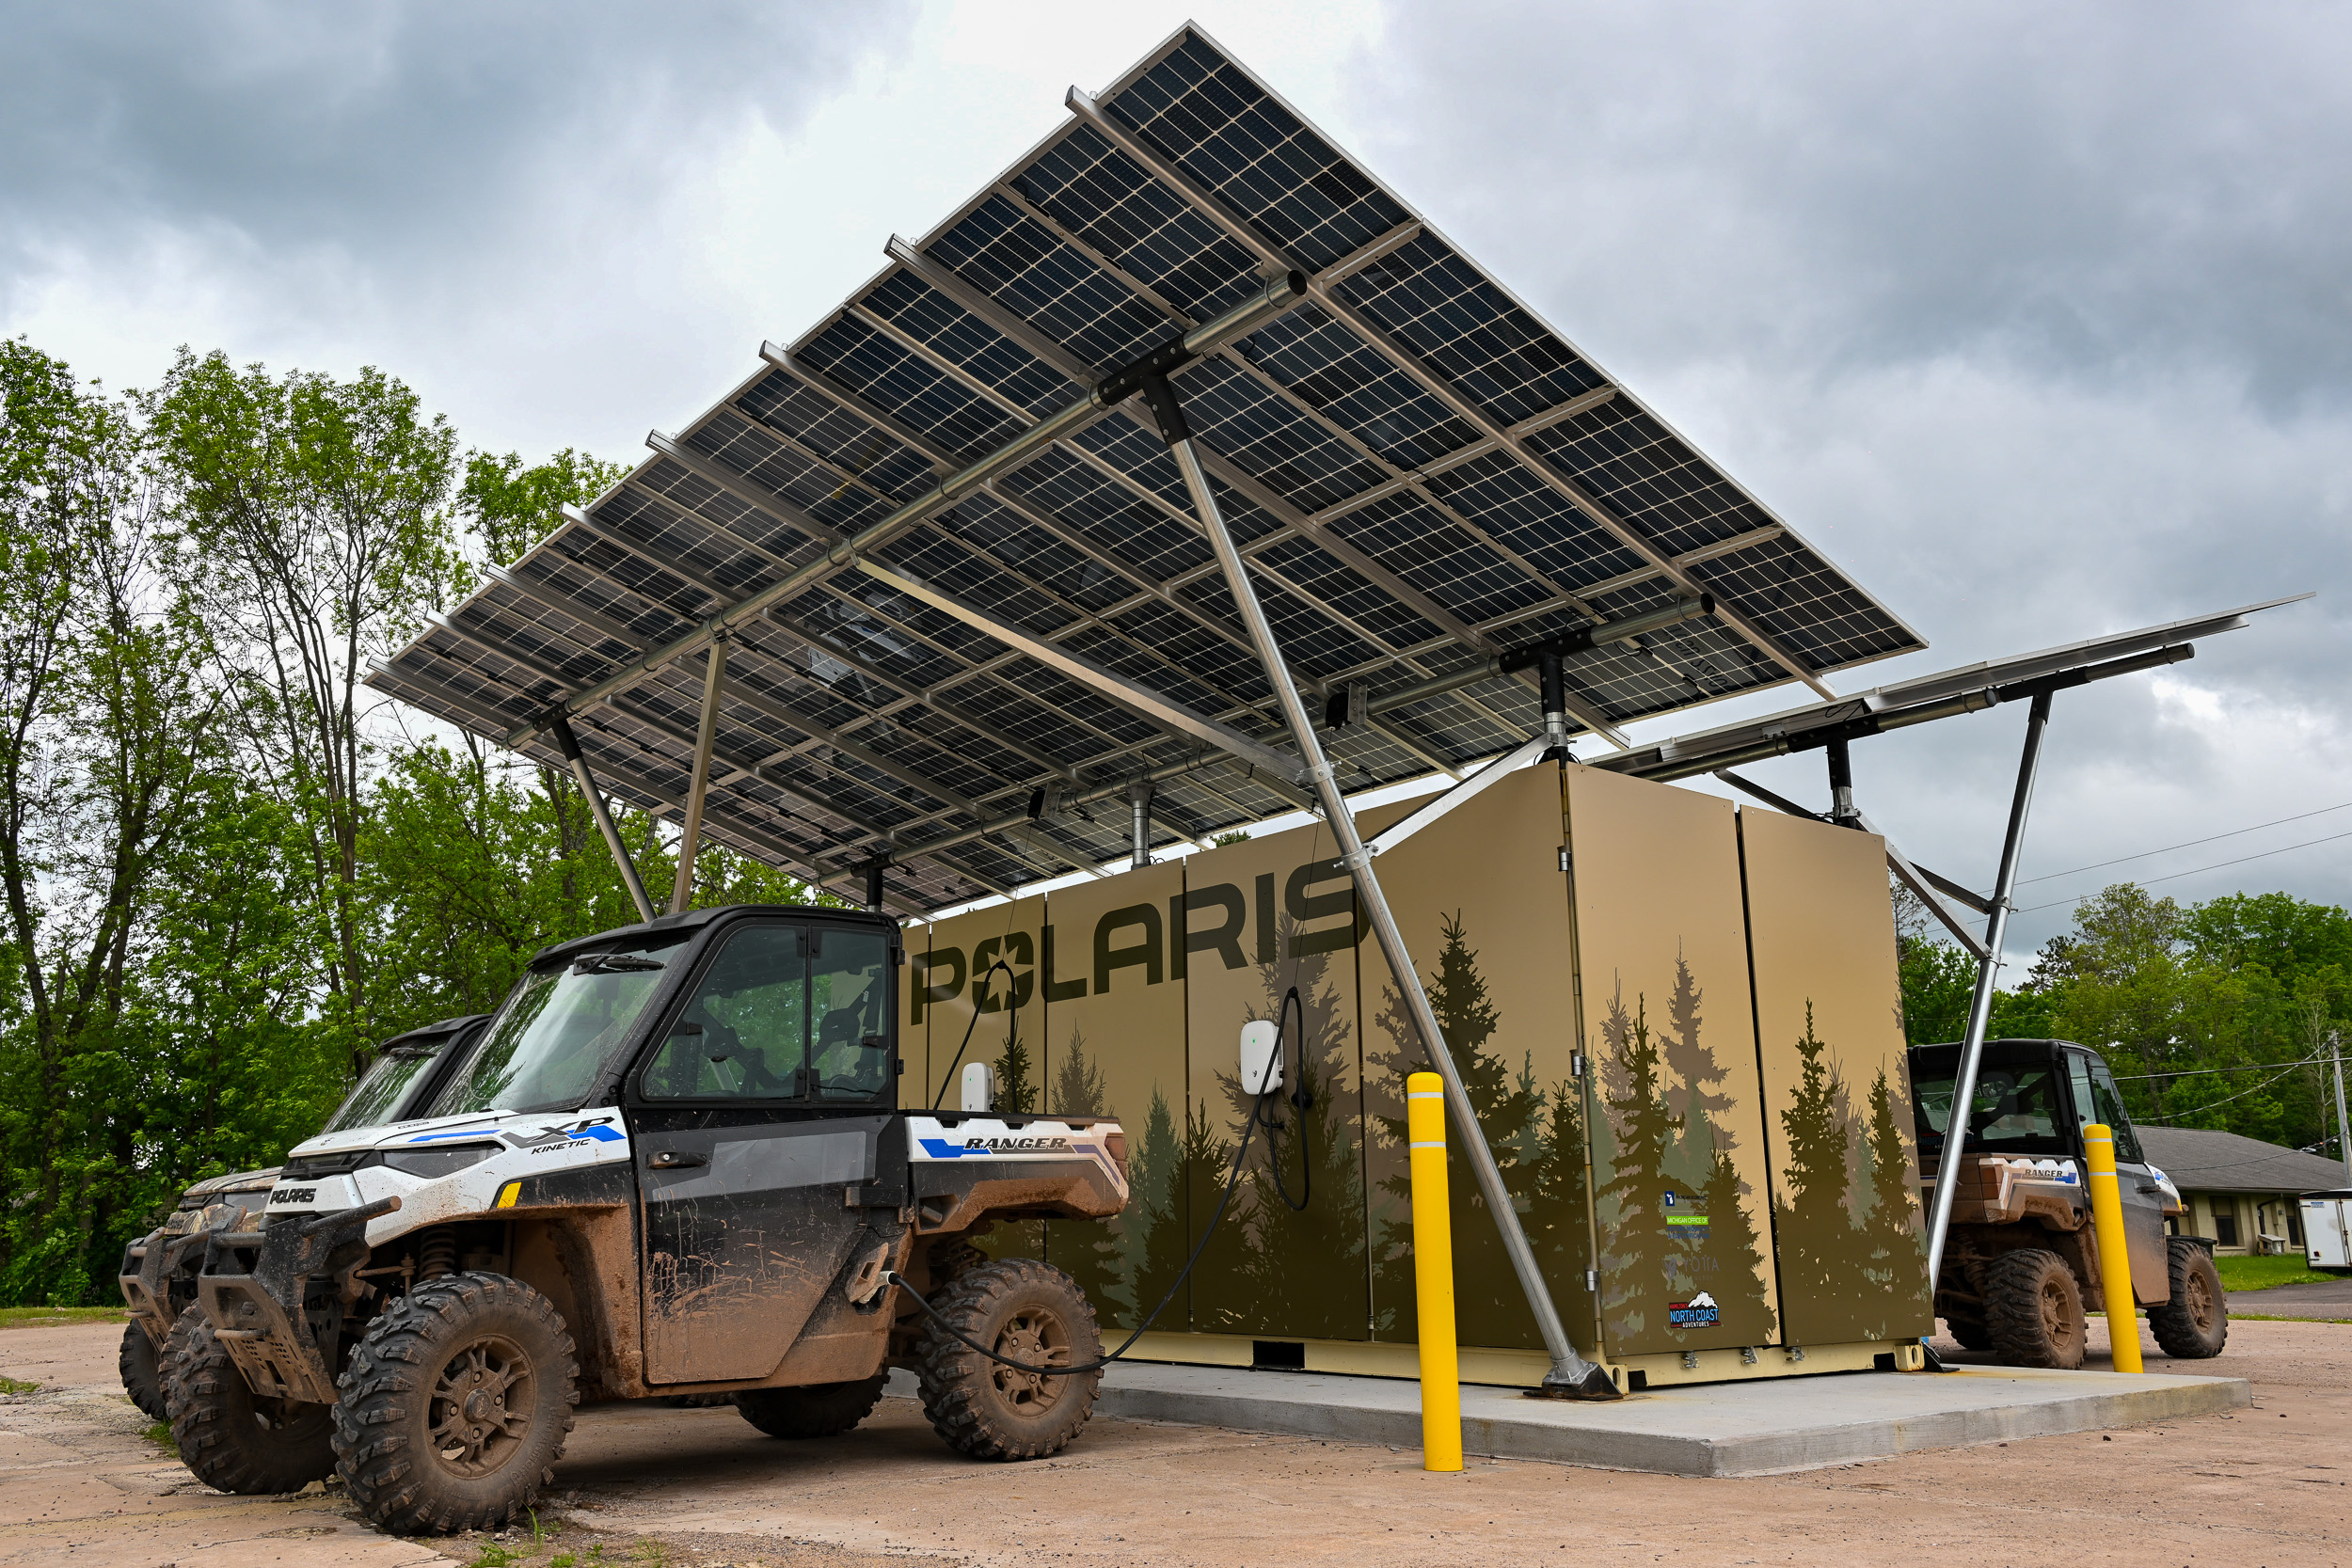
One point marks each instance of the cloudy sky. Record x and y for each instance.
(2035, 318)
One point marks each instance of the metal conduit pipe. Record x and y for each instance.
(1279, 293)
(1512, 660)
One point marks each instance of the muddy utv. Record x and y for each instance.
(673, 1164)
(2021, 1259)
(158, 1273)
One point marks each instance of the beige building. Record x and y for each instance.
(2240, 1191)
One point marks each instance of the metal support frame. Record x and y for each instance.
(569, 743)
(1980, 1006)
(698, 784)
(874, 869)
(1553, 685)
(1460, 795)
(1570, 1374)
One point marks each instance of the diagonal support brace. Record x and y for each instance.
(1571, 1376)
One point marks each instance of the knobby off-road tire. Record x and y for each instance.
(1030, 1313)
(455, 1405)
(2195, 1324)
(820, 1410)
(142, 1368)
(230, 1439)
(2033, 1311)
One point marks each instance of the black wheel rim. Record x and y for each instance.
(480, 1412)
(1034, 1336)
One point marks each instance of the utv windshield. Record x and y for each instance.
(387, 1084)
(561, 1023)
(2020, 1109)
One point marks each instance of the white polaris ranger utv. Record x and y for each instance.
(673, 1164)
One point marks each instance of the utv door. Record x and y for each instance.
(2097, 1100)
(755, 1111)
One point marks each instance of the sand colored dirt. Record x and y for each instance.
(2265, 1486)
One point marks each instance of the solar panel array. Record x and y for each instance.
(1419, 470)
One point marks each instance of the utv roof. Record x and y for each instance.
(694, 919)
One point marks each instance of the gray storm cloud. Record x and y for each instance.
(2035, 318)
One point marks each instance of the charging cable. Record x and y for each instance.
(979, 994)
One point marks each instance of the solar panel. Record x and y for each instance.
(1421, 473)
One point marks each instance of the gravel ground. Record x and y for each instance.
(2259, 1488)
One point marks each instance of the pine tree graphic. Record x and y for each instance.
(1155, 1243)
(1015, 1094)
(1747, 1314)
(1091, 1251)
(1637, 1251)
(1560, 1222)
(1490, 1308)
(1817, 1245)
(1697, 1076)
(1894, 1243)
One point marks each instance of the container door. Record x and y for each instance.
(740, 1169)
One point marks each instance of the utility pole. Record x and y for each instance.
(2343, 1145)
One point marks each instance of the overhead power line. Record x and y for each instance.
(2178, 875)
(2098, 866)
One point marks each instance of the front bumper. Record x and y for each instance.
(259, 1316)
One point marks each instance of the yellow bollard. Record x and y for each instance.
(1433, 1274)
(2115, 1255)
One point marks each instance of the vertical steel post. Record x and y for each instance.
(706, 737)
(1552, 681)
(874, 882)
(1139, 825)
(569, 743)
(1841, 806)
(1570, 1374)
(1980, 1006)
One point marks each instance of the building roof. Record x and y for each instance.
(2200, 1160)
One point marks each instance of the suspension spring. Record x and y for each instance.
(436, 1255)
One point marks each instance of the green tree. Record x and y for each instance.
(1745, 1306)
(317, 514)
(1091, 1252)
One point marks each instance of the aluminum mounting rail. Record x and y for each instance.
(1279, 293)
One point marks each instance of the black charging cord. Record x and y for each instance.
(979, 994)
(1233, 1179)
(1300, 1100)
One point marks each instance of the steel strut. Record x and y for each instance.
(1571, 1376)
(1980, 1004)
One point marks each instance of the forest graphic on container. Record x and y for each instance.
(1852, 1248)
(1681, 1254)
(1536, 1134)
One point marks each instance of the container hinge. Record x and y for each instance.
(1563, 859)
(1592, 1280)
(1576, 1064)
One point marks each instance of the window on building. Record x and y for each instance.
(2225, 1222)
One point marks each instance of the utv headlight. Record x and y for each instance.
(438, 1161)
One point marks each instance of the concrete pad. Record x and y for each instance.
(1726, 1429)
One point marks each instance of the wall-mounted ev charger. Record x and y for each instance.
(978, 1088)
(1261, 1056)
